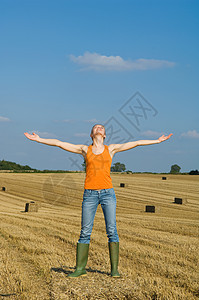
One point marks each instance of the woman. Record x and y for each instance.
(98, 189)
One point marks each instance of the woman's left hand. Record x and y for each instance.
(164, 138)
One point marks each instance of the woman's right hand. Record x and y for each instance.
(33, 136)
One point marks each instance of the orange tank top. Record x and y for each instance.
(98, 170)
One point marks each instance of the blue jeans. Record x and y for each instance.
(91, 200)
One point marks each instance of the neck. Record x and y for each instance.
(98, 142)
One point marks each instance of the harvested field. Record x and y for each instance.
(158, 251)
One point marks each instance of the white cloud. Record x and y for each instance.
(152, 133)
(43, 133)
(92, 121)
(69, 121)
(81, 134)
(191, 134)
(98, 62)
(72, 121)
(4, 119)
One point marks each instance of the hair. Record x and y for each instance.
(94, 126)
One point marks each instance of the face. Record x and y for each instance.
(98, 129)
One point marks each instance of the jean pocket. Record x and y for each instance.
(87, 192)
(110, 191)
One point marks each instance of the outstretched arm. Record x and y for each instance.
(114, 148)
(79, 149)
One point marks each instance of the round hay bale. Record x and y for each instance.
(178, 200)
(150, 208)
(122, 184)
(31, 207)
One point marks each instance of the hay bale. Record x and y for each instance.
(150, 208)
(122, 184)
(178, 200)
(164, 178)
(3, 188)
(31, 207)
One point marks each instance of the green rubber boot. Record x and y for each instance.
(114, 258)
(81, 260)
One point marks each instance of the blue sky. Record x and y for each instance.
(66, 65)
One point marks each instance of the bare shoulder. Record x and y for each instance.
(111, 147)
(114, 146)
(85, 148)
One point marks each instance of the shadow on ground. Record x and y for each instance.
(7, 295)
(63, 270)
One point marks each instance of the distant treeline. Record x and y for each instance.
(9, 165)
(196, 172)
(17, 168)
